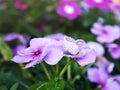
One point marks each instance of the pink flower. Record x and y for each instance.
(12, 36)
(114, 50)
(104, 79)
(40, 49)
(106, 33)
(69, 9)
(79, 50)
(20, 5)
(101, 61)
(101, 4)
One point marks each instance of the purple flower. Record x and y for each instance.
(40, 49)
(79, 50)
(20, 5)
(114, 50)
(105, 80)
(102, 62)
(101, 4)
(69, 9)
(106, 33)
(12, 36)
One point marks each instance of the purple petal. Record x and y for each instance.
(97, 75)
(54, 55)
(102, 62)
(70, 45)
(58, 36)
(88, 58)
(22, 59)
(99, 49)
(12, 36)
(112, 86)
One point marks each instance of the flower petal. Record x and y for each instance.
(53, 56)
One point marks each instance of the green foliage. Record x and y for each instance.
(53, 84)
(5, 50)
(14, 87)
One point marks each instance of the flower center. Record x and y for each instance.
(69, 9)
(104, 32)
(98, 1)
(37, 53)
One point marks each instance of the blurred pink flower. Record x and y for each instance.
(101, 4)
(58, 36)
(12, 36)
(114, 50)
(20, 5)
(104, 79)
(106, 33)
(101, 61)
(69, 9)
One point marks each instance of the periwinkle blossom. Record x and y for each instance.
(78, 50)
(106, 33)
(40, 49)
(12, 36)
(20, 5)
(52, 48)
(101, 61)
(104, 79)
(101, 4)
(114, 50)
(69, 9)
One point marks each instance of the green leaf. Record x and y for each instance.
(55, 85)
(14, 87)
(50, 85)
(5, 50)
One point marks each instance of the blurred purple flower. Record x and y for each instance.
(40, 49)
(20, 5)
(105, 80)
(79, 50)
(101, 61)
(106, 33)
(58, 36)
(12, 36)
(69, 9)
(101, 4)
(114, 50)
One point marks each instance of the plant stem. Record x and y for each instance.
(45, 70)
(69, 71)
(57, 68)
(65, 68)
(75, 78)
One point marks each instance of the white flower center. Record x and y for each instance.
(69, 9)
(98, 1)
